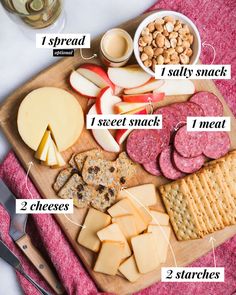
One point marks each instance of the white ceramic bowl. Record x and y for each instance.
(196, 47)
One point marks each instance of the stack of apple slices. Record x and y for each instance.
(48, 153)
(136, 90)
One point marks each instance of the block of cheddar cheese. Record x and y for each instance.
(109, 257)
(162, 240)
(113, 233)
(145, 252)
(50, 108)
(95, 220)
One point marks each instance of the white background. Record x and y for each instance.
(20, 60)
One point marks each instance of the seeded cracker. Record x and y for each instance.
(204, 183)
(104, 198)
(62, 178)
(76, 189)
(197, 191)
(108, 173)
(178, 203)
(80, 158)
(72, 161)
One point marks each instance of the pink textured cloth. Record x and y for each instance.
(215, 21)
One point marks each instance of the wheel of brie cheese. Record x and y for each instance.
(54, 109)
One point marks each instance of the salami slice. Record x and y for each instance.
(209, 102)
(188, 165)
(169, 119)
(143, 146)
(153, 168)
(218, 144)
(166, 165)
(190, 144)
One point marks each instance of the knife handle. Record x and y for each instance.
(38, 261)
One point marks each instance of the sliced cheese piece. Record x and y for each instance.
(42, 151)
(54, 108)
(127, 225)
(94, 221)
(142, 195)
(159, 218)
(124, 207)
(60, 161)
(145, 253)
(162, 238)
(129, 269)
(51, 158)
(113, 233)
(145, 214)
(109, 257)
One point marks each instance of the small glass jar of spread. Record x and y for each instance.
(116, 47)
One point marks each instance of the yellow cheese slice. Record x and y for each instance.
(145, 253)
(127, 225)
(109, 257)
(113, 233)
(42, 151)
(51, 159)
(129, 269)
(162, 238)
(54, 108)
(159, 218)
(142, 195)
(124, 207)
(60, 161)
(95, 220)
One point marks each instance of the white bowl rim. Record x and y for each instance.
(150, 18)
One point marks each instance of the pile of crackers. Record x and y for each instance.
(203, 202)
(92, 180)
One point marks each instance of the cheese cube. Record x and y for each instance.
(42, 151)
(109, 257)
(142, 195)
(129, 269)
(145, 253)
(124, 207)
(94, 221)
(113, 233)
(159, 218)
(162, 240)
(127, 225)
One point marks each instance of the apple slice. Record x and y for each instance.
(122, 134)
(105, 101)
(125, 107)
(128, 77)
(83, 86)
(177, 87)
(145, 97)
(118, 90)
(151, 85)
(103, 137)
(95, 74)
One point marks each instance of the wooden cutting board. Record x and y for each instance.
(57, 75)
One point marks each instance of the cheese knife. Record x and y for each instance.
(10, 258)
(20, 237)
